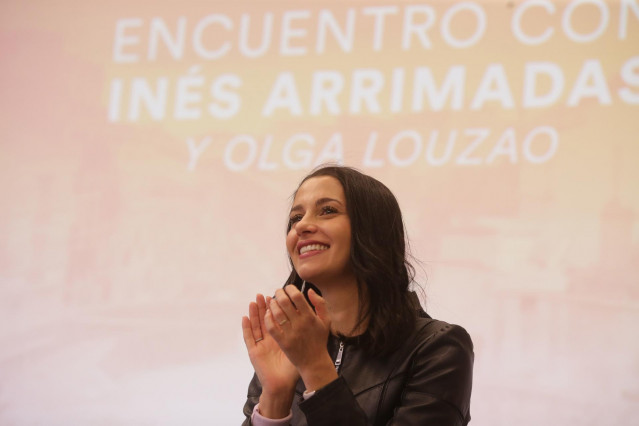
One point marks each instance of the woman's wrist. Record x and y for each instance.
(276, 405)
(318, 375)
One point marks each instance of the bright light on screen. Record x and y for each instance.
(149, 150)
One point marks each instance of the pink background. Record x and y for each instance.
(125, 267)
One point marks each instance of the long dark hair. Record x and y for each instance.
(378, 258)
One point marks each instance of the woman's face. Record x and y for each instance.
(319, 238)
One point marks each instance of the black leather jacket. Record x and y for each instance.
(426, 382)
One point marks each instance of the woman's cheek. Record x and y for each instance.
(290, 244)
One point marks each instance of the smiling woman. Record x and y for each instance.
(318, 239)
(346, 336)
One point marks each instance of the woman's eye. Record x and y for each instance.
(328, 210)
(294, 219)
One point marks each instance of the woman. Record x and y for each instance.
(355, 347)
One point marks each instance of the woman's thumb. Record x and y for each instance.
(320, 306)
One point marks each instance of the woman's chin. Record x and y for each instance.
(305, 276)
(310, 276)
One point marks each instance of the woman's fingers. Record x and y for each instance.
(254, 317)
(297, 298)
(278, 314)
(261, 310)
(320, 307)
(253, 327)
(247, 333)
(284, 303)
(290, 304)
(270, 322)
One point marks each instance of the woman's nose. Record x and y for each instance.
(305, 225)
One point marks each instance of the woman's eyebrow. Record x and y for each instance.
(326, 200)
(319, 202)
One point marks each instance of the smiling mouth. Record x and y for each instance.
(313, 247)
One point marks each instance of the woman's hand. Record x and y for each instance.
(302, 334)
(276, 373)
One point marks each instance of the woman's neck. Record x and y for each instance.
(343, 305)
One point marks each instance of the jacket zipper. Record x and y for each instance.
(338, 358)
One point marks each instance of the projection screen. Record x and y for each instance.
(149, 151)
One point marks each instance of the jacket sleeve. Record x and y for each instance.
(438, 387)
(436, 390)
(333, 404)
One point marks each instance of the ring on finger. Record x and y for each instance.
(281, 323)
(259, 340)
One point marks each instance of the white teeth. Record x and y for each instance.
(312, 247)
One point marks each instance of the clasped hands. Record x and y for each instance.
(286, 340)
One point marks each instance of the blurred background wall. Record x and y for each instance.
(148, 151)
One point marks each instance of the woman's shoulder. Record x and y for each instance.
(431, 333)
(442, 362)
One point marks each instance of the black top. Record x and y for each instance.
(427, 381)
